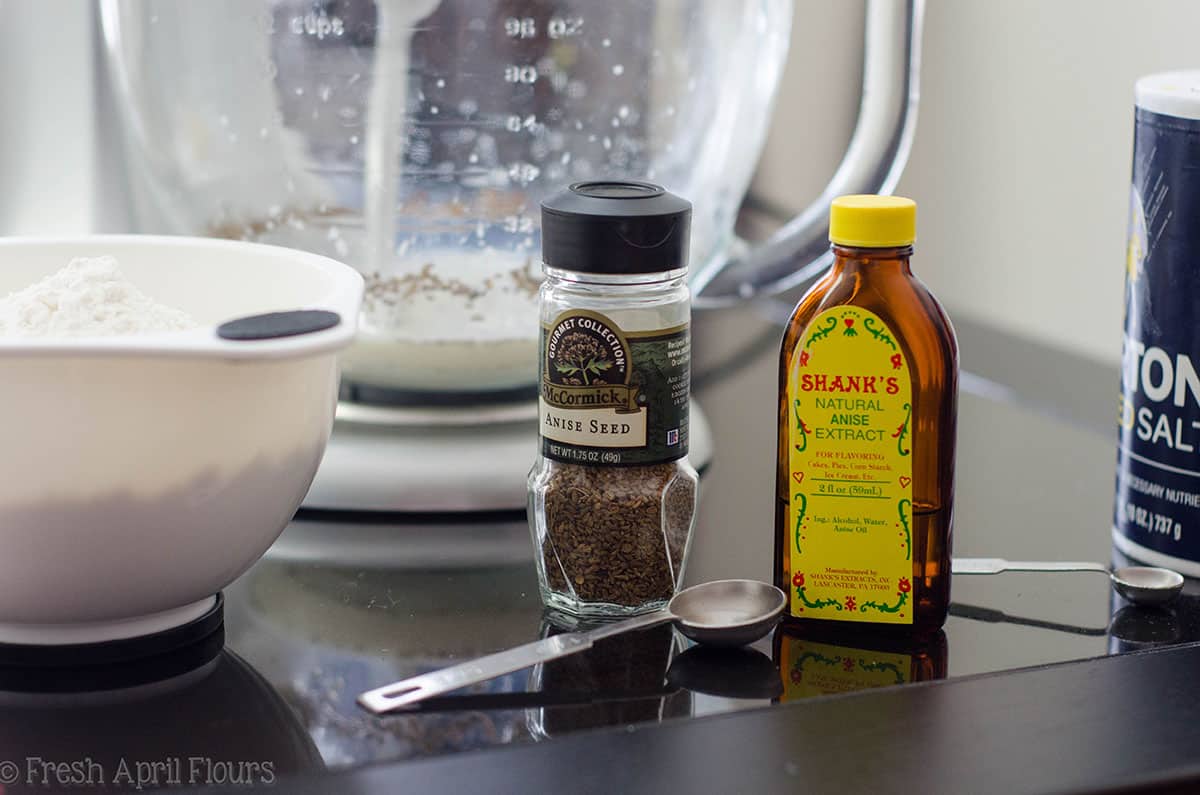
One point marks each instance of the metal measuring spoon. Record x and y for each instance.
(1141, 585)
(726, 613)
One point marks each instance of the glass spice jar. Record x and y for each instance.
(612, 497)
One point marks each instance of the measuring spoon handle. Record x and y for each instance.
(407, 692)
(997, 565)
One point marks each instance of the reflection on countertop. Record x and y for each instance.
(411, 597)
(305, 639)
(1135, 628)
(829, 663)
(198, 715)
(383, 600)
(1031, 484)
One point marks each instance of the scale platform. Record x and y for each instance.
(422, 461)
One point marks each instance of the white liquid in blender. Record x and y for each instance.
(461, 321)
(385, 123)
(450, 320)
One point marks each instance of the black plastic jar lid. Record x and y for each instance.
(616, 227)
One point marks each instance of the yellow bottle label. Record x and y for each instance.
(821, 669)
(849, 392)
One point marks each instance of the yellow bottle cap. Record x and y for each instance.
(873, 221)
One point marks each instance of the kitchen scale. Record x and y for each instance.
(106, 656)
(469, 460)
(450, 479)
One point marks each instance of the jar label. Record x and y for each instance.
(821, 669)
(610, 397)
(849, 398)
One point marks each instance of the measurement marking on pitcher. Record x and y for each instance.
(415, 121)
(556, 28)
(516, 73)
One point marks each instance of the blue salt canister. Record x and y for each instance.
(1156, 515)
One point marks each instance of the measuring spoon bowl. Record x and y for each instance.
(1147, 585)
(728, 613)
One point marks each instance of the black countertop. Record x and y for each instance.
(1035, 479)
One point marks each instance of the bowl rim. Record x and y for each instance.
(345, 298)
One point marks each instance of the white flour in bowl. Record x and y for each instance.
(89, 297)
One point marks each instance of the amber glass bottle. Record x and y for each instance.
(868, 394)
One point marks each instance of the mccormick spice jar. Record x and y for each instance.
(612, 498)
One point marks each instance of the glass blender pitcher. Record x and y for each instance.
(415, 139)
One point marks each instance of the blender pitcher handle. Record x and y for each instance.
(873, 163)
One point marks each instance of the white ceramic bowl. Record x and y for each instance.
(139, 475)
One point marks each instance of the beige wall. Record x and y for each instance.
(47, 160)
(817, 102)
(1021, 161)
